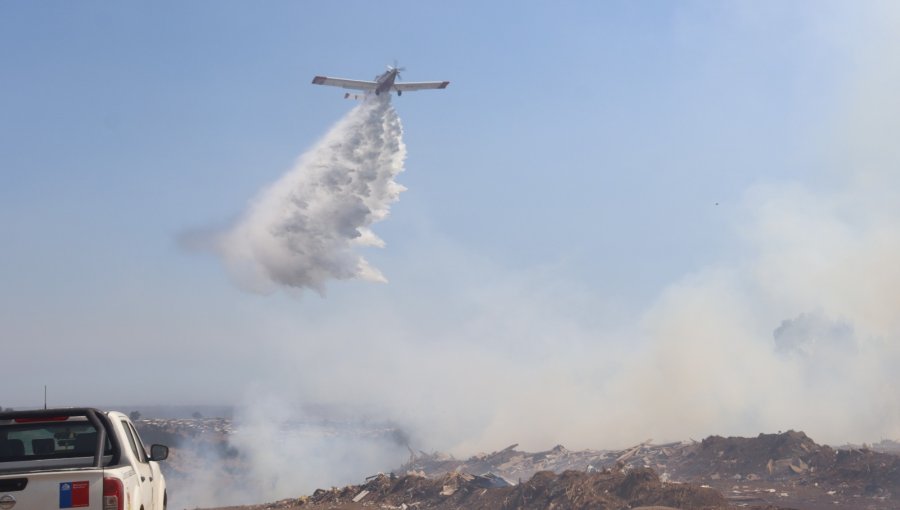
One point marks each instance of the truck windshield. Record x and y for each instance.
(48, 440)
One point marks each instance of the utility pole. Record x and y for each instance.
(45, 396)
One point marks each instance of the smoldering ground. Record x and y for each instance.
(276, 449)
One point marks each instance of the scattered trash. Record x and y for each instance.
(784, 457)
(767, 472)
(616, 488)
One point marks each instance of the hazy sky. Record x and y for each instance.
(612, 207)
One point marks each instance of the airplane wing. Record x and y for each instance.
(403, 87)
(347, 84)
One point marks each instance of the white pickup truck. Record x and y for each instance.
(77, 458)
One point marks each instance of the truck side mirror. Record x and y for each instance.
(159, 452)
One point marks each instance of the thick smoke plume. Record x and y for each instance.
(304, 229)
(794, 326)
(278, 451)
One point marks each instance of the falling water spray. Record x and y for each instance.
(305, 228)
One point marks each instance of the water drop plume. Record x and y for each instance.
(306, 228)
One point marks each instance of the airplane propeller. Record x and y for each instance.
(395, 68)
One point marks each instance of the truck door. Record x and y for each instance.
(142, 466)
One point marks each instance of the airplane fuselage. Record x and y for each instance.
(385, 81)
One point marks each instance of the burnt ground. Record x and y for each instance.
(771, 471)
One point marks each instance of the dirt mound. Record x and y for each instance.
(792, 456)
(571, 490)
(642, 487)
(767, 455)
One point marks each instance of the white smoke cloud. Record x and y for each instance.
(799, 330)
(305, 229)
(278, 450)
(519, 363)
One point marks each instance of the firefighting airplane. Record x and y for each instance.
(384, 82)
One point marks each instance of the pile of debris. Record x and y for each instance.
(793, 457)
(767, 472)
(767, 456)
(611, 489)
(862, 471)
(513, 464)
(785, 457)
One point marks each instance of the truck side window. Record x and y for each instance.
(140, 444)
(134, 447)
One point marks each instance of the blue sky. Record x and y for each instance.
(614, 124)
(571, 171)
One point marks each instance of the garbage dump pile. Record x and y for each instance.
(613, 490)
(768, 472)
(788, 458)
(793, 455)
